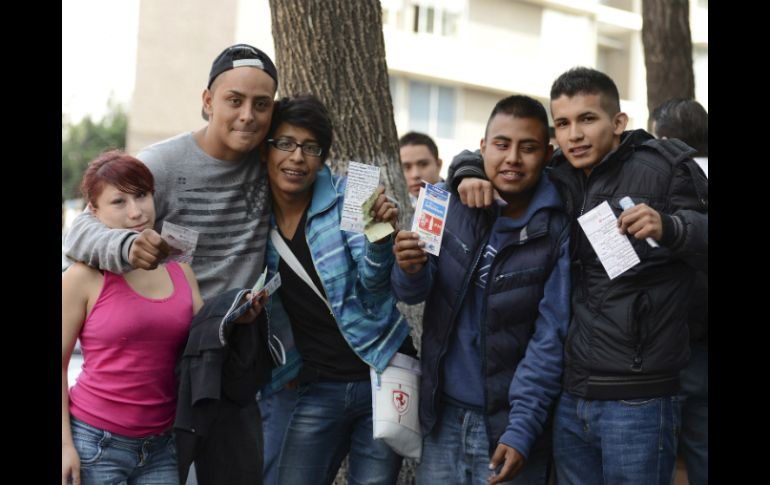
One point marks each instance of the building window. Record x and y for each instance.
(392, 14)
(419, 106)
(445, 112)
(432, 109)
(449, 21)
(612, 59)
(433, 19)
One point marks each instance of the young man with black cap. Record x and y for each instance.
(210, 181)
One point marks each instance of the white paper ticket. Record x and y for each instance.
(362, 181)
(182, 241)
(613, 249)
(272, 286)
(430, 216)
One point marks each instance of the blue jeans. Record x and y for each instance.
(276, 412)
(457, 452)
(108, 458)
(615, 442)
(694, 440)
(329, 420)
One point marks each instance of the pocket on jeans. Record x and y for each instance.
(88, 444)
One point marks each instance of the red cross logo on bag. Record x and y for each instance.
(401, 401)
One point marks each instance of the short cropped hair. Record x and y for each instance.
(520, 106)
(415, 138)
(685, 119)
(584, 80)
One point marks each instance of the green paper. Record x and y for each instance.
(378, 230)
(374, 230)
(367, 207)
(260, 282)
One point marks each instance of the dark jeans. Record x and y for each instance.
(329, 420)
(276, 413)
(457, 452)
(626, 442)
(694, 440)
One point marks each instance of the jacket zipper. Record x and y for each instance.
(623, 380)
(639, 310)
(483, 320)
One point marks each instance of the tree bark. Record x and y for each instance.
(667, 51)
(335, 50)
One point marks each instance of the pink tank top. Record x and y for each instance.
(130, 345)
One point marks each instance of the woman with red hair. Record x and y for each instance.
(117, 418)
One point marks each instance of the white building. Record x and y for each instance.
(449, 60)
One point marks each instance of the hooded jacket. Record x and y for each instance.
(524, 318)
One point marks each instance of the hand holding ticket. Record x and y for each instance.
(377, 202)
(259, 294)
(181, 240)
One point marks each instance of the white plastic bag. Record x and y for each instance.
(395, 405)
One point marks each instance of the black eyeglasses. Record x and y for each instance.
(290, 145)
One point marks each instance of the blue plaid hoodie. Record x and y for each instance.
(356, 279)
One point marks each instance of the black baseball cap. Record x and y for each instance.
(242, 55)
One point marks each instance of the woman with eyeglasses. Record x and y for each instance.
(341, 314)
(117, 418)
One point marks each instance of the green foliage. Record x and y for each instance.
(83, 141)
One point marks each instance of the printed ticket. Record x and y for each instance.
(430, 216)
(272, 286)
(613, 249)
(362, 182)
(181, 240)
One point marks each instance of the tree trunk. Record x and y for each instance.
(334, 49)
(667, 51)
